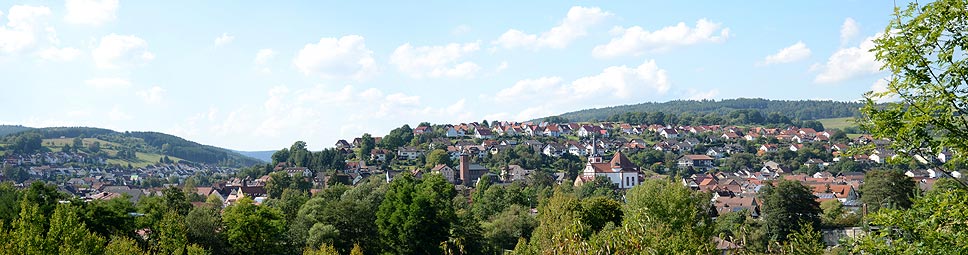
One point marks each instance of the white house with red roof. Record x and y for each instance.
(620, 170)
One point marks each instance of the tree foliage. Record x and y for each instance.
(786, 206)
(887, 188)
(252, 229)
(923, 49)
(416, 215)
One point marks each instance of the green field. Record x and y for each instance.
(838, 123)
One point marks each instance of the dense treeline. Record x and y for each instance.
(737, 117)
(10, 129)
(795, 110)
(26, 142)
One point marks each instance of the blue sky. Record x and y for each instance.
(251, 75)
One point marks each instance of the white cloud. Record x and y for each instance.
(223, 39)
(118, 114)
(613, 86)
(336, 58)
(22, 26)
(848, 30)
(461, 30)
(796, 52)
(91, 12)
(503, 66)
(881, 86)
(59, 54)
(435, 61)
(624, 82)
(108, 83)
(300, 113)
(153, 95)
(264, 55)
(117, 51)
(700, 95)
(636, 40)
(848, 63)
(575, 25)
(529, 89)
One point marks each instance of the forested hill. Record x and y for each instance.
(797, 110)
(143, 142)
(10, 129)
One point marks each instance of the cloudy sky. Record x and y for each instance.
(248, 75)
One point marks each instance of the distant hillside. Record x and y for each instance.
(148, 143)
(260, 155)
(798, 110)
(10, 129)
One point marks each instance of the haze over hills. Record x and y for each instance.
(260, 155)
(794, 109)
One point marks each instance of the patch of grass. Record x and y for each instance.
(838, 123)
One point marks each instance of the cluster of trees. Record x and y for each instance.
(26, 143)
(428, 216)
(735, 117)
(298, 155)
(796, 110)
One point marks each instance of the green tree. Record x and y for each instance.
(95, 147)
(436, 157)
(28, 143)
(786, 206)
(558, 225)
(416, 215)
(367, 144)
(171, 235)
(935, 224)
(599, 211)
(805, 241)
(123, 245)
(110, 217)
(834, 215)
(69, 235)
(15, 173)
(278, 182)
(923, 48)
(9, 203)
(203, 226)
(78, 143)
(252, 229)
(600, 186)
(507, 227)
(887, 188)
(175, 200)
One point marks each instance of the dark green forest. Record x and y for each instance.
(794, 110)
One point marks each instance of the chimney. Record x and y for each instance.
(465, 169)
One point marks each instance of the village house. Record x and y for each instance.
(669, 133)
(409, 153)
(620, 170)
(698, 162)
(448, 172)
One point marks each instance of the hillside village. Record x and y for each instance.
(702, 157)
(729, 161)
